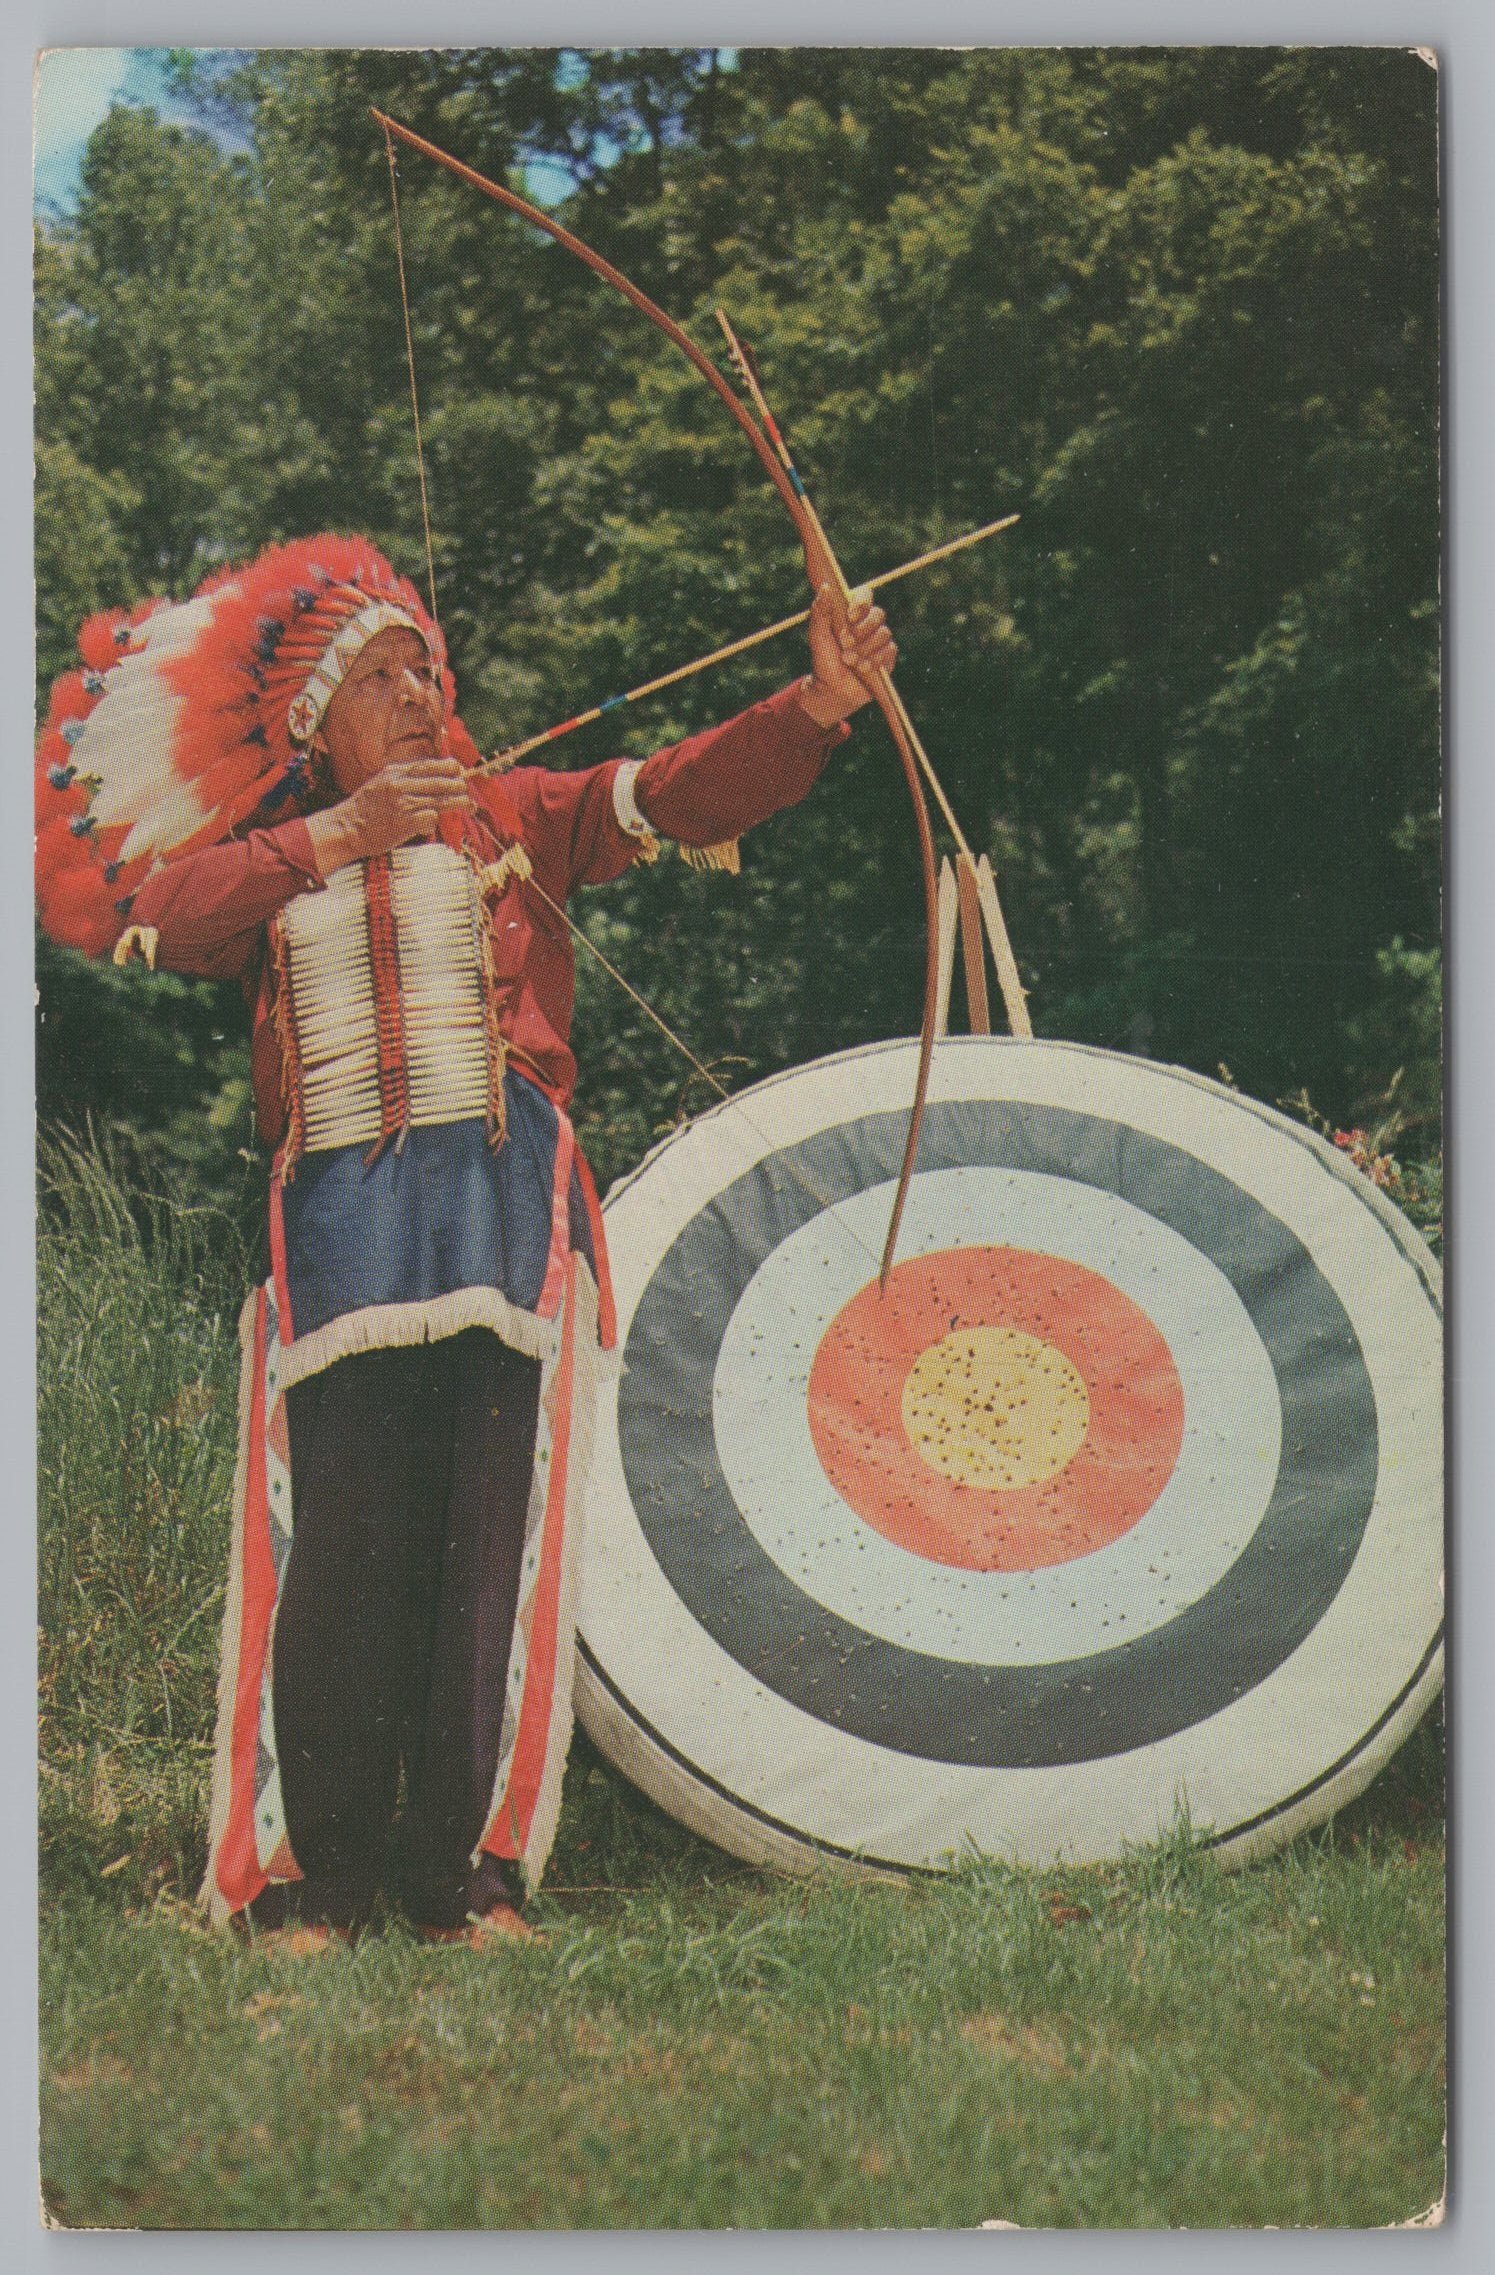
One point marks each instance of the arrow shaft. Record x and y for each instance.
(515, 751)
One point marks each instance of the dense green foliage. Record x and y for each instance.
(1178, 307)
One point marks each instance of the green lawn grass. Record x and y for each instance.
(1153, 2044)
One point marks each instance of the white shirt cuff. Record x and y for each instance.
(625, 804)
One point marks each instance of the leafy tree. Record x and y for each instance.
(146, 333)
(1179, 307)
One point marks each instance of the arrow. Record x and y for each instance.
(516, 751)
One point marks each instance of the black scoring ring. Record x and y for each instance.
(1230, 1639)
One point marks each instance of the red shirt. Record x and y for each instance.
(210, 909)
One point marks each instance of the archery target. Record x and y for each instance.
(1125, 1495)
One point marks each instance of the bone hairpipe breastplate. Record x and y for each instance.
(430, 1005)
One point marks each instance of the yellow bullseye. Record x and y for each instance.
(993, 1407)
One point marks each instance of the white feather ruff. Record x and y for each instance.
(126, 744)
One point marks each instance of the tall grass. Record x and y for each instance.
(138, 1295)
(137, 1367)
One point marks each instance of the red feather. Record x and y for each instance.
(96, 642)
(271, 623)
(56, 849)
(69, 699)
(78, 910)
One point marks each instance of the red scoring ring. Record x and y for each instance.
(1130, 1446)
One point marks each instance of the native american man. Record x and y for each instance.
(269, 783)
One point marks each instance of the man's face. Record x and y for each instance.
(387, 708)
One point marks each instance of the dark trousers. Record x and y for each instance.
(411, 1473)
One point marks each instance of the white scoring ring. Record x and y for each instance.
(1184, 1543)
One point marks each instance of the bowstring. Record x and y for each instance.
(728, 1098)
(420, 452)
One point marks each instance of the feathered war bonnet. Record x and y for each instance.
(191, 720)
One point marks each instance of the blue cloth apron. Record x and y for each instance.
(446, 1211)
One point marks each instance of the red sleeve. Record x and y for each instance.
(567, 821)
(702, 791)
(210, 908)
(721, 783)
